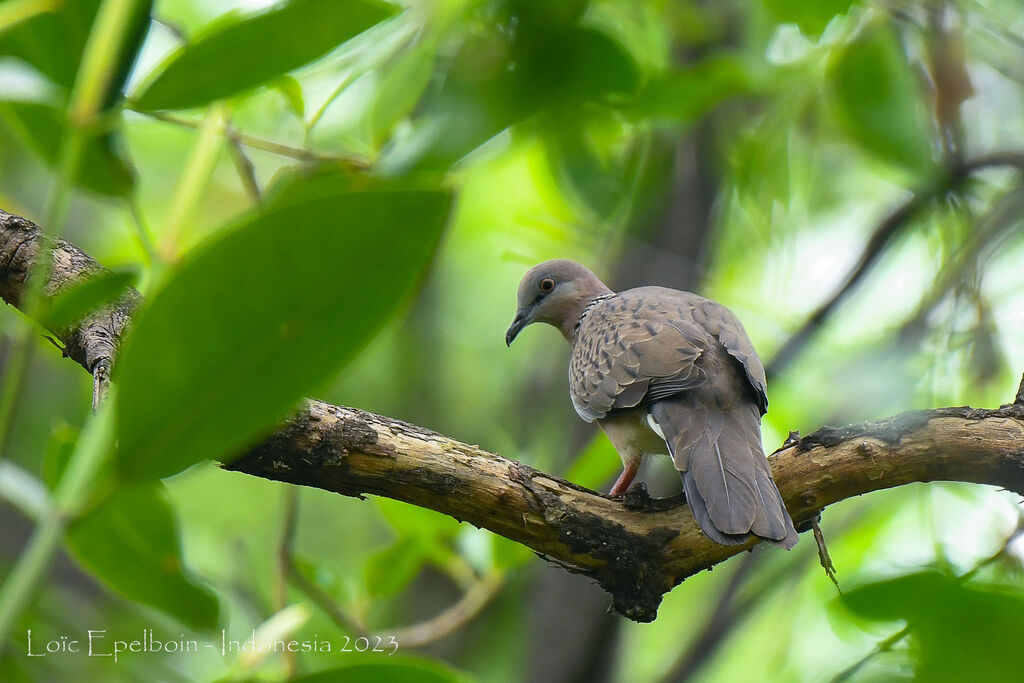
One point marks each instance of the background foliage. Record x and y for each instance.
(338, 199)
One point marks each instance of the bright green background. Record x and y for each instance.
(743, 148)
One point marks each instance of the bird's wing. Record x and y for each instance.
(638, 346)
(723, 324)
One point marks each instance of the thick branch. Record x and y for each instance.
(637, 549)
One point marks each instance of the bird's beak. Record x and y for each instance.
(518, 323)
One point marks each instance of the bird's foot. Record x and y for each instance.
(625, 479)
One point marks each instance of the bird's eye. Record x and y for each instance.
(546, 285)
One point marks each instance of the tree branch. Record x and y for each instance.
(91, 342)
(637, 548)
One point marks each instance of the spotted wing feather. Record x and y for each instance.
(633, 348)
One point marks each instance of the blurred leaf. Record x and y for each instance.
(596, 163)
(413, 520)
(58, 451)
(298, 184)
(23, 491)
(960, 631)
(41, 127)
(267, 312)
(493, 85)
(760, 160)
(596, 464)
(688, 94)
(392, 569)
(325, 576)
(537, 17)
(291, 89)
(509, 554)
(131, 544)
(84, 297)
(585, 64)
(811, 17)
(59, 447)
(400, 88)
(237, 54)
(879, 102)
(14, 12)
(53, 42)
(407, 670)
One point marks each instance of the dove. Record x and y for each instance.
(667, 372)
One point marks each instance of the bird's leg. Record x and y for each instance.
(626, 478)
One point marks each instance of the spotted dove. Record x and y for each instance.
(667, 372)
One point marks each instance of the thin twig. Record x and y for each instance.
(823, 556)
(989, 229)
(343, 619)
(142, 230)
(883, 646)
(882, 237)
(453, 618)
(265, 145)
(284, 563)
(243, 164)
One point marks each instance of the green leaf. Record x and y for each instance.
(291, 90)
(234, 55)
(401, 86)
(131, 544)
(584, 64)
(508, 554)
(879, 102)
(596, 170)
(687, 94)
(596, 464)
(392, 569)
(266, 313)
(41, 127)
(53, 42)
(57, 453)
(492, 86)
(811, 17)
(958, 630)
(299, 184)
(14, 12)
(84, 297)
(413, 520)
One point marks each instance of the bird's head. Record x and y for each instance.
(554, 292)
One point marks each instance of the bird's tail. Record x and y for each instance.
(726, 477)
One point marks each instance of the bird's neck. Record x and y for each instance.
(572, 322)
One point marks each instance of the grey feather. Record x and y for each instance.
(725, 475)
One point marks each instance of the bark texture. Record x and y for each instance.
(91, 342)
(637, 548)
